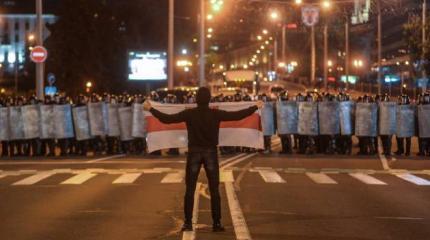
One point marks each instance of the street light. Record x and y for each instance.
(274, 15)
(210, 17)
(31, 37)
(298, 2)
(326, 4)
(265, 32)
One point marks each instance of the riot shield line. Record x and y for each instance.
(387, 118)
(267, 119)
(63, 121)
(423, 121)
(125, 122)
(138, 121)
(47, 128)
(81, 123)
(31, 119)
(4, 124)
(328, 117)
(113, 129)
(308, 118)
(96, 119)
(366, 120)
(405, 115)
(287, 116)
(346, 118)
(16, 126)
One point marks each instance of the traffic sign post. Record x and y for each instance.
(39, 54)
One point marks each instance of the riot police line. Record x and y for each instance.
(326, 124)
(115, 124)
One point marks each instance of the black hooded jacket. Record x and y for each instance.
(202, 123)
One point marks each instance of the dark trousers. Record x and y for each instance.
(209, 160)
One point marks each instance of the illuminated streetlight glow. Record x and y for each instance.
(89, 84)
(210, 17)
(326, 4)
(210, 30)
(259, 37)
(274, 15)
(329, 63)
(298, 2)
(358, 63)
(209, 36)
(262, 47)
(31, 37)
(265, 32)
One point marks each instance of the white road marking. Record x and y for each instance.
(226, 176)
(401, 218)
(240, 228)
(382, 156)
(238, 160)
(231, 159)
(413, 179)
(177, 177)
(34, 178)
(79, 178)
(191, 235)
(321, 178)
(127, 178)
(106, 158)
(367, 179)
(270, 176)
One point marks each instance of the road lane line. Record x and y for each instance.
(79, 178)
(270, 176)
(238, 160)
(382, 156)
(232, 159)
(413, 179)
(367, 179)
(321, 178)
(127, 178)
(34, 178)
(191, 235)
(106, 158)
(177, 177)
(240, 228)
(226, 176)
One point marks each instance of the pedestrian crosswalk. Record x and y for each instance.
(177, 176)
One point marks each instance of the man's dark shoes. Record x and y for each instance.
(187, 227)
(218, 227)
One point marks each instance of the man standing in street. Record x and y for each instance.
(203, 129)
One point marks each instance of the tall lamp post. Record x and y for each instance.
(202, 62)
(171, 51)
(39, 41)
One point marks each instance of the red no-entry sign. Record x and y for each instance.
(39, 54)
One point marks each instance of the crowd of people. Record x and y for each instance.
(302, 144)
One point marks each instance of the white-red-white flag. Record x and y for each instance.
(246, 132)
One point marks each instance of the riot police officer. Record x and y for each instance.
(401, 141)
(386, 140)
(286, 146)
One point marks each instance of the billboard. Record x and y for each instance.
(147, 66)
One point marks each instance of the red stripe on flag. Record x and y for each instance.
(251, 122)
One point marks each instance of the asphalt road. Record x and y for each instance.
(264, 197)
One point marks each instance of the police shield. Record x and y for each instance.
(97, 120)
(287, 116)
(125, 119)
(31, 119)
(423, 121)
(81, 123)
(346, 118)
(16, 124)
(138, 121)
(405, 121)
(267, 119)
(308, 118)
(4, 124)
(387, 118)
(328, 118)
(113, 121)
(63, 121)
(47, 130)
(366, 116)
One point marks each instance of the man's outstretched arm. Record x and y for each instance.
(163, 117)
(238, 115)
